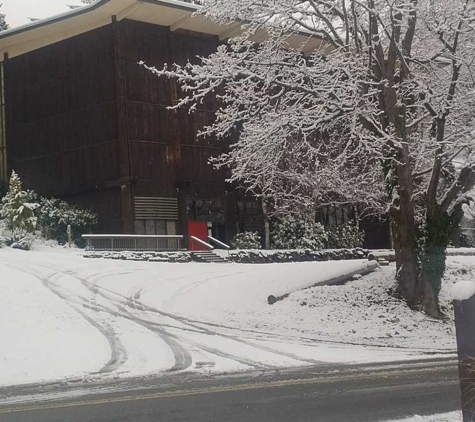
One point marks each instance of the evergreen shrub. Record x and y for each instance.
(247, 240)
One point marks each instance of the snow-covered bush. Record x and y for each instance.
(292, 233)
(3, 240)
(467, 240)
(247, 240)
(3, 189)
(27, 218)
(24, 243)
(345, 236)
(300, 234)
(17, 212)
(54, 216)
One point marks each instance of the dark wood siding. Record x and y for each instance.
(167, 159)
(87, 123)
(62, 124)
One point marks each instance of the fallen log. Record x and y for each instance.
(365, 268)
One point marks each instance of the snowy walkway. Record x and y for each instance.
(63, 316)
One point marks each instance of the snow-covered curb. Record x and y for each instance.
(461, 252)
(298, 255)
(140, 256)
(390, 255)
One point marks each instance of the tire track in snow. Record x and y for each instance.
(207, 331)
(118, 351)
(134, 303)
(182, 357)
(154, 326)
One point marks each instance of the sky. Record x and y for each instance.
(18, 11)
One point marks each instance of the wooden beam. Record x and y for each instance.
(230, 32)
(177, 24)
(125, 169)
(127, 11)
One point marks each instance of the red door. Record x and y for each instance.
(197, 229)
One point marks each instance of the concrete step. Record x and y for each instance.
(207, 256)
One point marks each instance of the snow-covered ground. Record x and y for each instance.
(66, 317)
(443, 417)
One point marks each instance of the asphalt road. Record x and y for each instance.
(346, 394)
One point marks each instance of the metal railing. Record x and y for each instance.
(219, 243)
(201, 242)
(132, 242)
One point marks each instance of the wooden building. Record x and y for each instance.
(81, 120)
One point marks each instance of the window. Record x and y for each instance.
(206, 210)
(249, 215)
(334, 216)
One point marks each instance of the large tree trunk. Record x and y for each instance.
(438, 230)
(436, 239)
(404, 227)
(265, 217)
(404, 238)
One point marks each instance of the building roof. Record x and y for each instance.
(172, 13)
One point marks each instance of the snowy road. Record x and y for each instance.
(323, 394)
(88, 320)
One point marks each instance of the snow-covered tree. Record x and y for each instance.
(16, 210)
(3, 21)
(54, 216)
(375, 108)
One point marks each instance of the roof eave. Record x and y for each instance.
(57, 18)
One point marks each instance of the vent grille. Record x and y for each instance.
(152, 208)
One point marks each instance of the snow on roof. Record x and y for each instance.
(171, 13)
(41, 22)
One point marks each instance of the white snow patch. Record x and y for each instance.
(442, 417)
(216, 316)
(43, 338)
(463, 290)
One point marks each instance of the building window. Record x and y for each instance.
(156, 227)
(211, 211)
(334, 216)
(249, 216)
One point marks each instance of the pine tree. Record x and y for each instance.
(3, 22)
(16, 211)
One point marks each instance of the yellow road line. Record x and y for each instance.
(213, 390)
